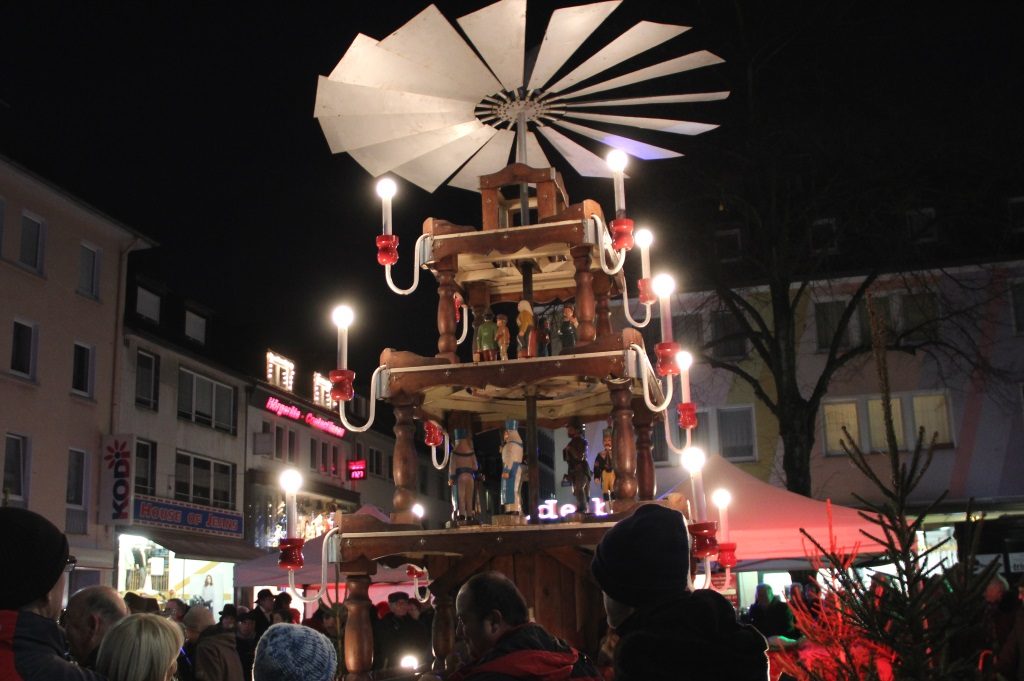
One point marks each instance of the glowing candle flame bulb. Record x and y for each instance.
(617, 160)
(664, 285)
(417, 510)
(386, 190)
(721, 499)
(291, 482)
(693, 459)
(343, 316)
(684, 360)
(409, 662)
(644, 238)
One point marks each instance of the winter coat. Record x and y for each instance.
(1010, 662)
(32, 648)
(529, 652)
(690, 638)
(215, 657)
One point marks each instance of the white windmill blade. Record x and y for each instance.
(492, 157)
(365, 63)
(688, 62)
(660, 124)
(431, 169)
(380, 158)
(584, 161)
(336, 98)
(498, 32)
(345, 133)
(640, 38)
(429, 39)
(635, 148)
(665, 99)
(566, 31)
(534, 154)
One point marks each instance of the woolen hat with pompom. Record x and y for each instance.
(35, 554)
(292, 652)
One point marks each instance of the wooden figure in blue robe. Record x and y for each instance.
(512, 469)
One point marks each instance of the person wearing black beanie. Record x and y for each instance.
(667, 630)
(34, 565)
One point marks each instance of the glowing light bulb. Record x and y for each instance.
(409, 662)
(418, 510)
(721, 498)
(617, 160)
(386, 189)
(684, 360)
(290, 481)
(693, 459)
(643, 237)
(343, 316)
(664, 285)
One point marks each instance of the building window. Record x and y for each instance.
(205, 401)
(75, 515)
(199, 480)
(728, 245)
(147, 380)
(375, 461)
(82, 370)
(280, 371)
(824, 236)
(921, 225)
(23, 349)
(736, 433)
(391, 467)
(31, 253)
(826, 317)
(728, 339)
(145, 467)
(314, 456)
(15, 454)
(89, 271)
(335, 471)
(839, 415)
(293, 446)
(876, 421)
(195, 326)
(932, 413)
(920, 318)
(883, 314)
(279, 442)
(147, 304)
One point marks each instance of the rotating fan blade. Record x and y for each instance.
(335, 98)
(431, 169)
(492, 157)
(428, 39)
(380, 158)
(660, 124)
(345, 133)
(640, 38)
(365, 63)
(632, 147)
(586, 163)
(566, 31)
(665, 99)
(498, 32)
(688, 62)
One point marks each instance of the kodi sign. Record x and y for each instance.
(117, 479)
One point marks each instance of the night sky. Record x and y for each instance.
(193, 123)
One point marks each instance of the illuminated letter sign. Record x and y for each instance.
(355, 469)
(294, 413)
(550, 510)
(117, 480)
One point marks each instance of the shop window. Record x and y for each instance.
(30, 253)
(736, 433)
(827, 316)
(147, 380)
(82, 370)
(145, 467)
(199, 480)
(76, 520)
(15, 467)
(931, 412)
(88, 271)
(24, 342)
(876, 421)
(147, 304)
(195, 327)
(205, 401)
(839, 415)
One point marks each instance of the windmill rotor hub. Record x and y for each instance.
(504, 109)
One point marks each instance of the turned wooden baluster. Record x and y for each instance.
(603, 320)
(643, 422)
(446, 341)
(443, 635)
(405, 468)
(623, 444)
(586, 332)
(358, 629)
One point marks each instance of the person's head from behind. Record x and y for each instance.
(764, 594)
(176, 609)
(245, 626)
(280, 616)
(398, 603)
(488, 605)
(35, 569)
(996, 589)
(265, 600)
(91, 613)
(292, 652)
(282, 601)
(141, 647)
(196, 621)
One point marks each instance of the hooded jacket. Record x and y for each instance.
(32, 648)
(215, 657)
(689, 638)
(529, 652)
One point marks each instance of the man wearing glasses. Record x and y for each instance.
(35, 564)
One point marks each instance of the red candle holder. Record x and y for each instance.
(433, 436)
(387, 249)
(291, 554)
(704, 543)
(647, 295)
(341, 384)
(727, 554)
(687, 415)
(666, 354)
(622, 234)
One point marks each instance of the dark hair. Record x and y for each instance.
(283, 599)
(494, 591)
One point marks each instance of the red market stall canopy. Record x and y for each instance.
(765, 520)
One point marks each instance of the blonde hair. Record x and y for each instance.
(140, 647)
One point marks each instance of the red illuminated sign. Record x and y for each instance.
(355, 469)
(290, 411)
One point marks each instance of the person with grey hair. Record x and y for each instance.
(91, 612)
(140, 647)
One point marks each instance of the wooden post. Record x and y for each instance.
(603, 316)
(587, 332)
(405, 468)
(443, 634)
(643, 422)
(623, 445)
(358, 628)
(446, 310)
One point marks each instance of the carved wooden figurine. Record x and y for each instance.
(462, 472)
(485, 343)
(526, 337)
(512, 469)
(575, 454)
(503, 337)
(604, 467)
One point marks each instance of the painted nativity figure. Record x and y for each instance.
(604, 467)
(567, 329)
(575, 454)
(526, 338)
(512, 469)
(503, 337)
(462, 473)
(485, 343)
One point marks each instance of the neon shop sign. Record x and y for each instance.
(552, 510)
(294, 413)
